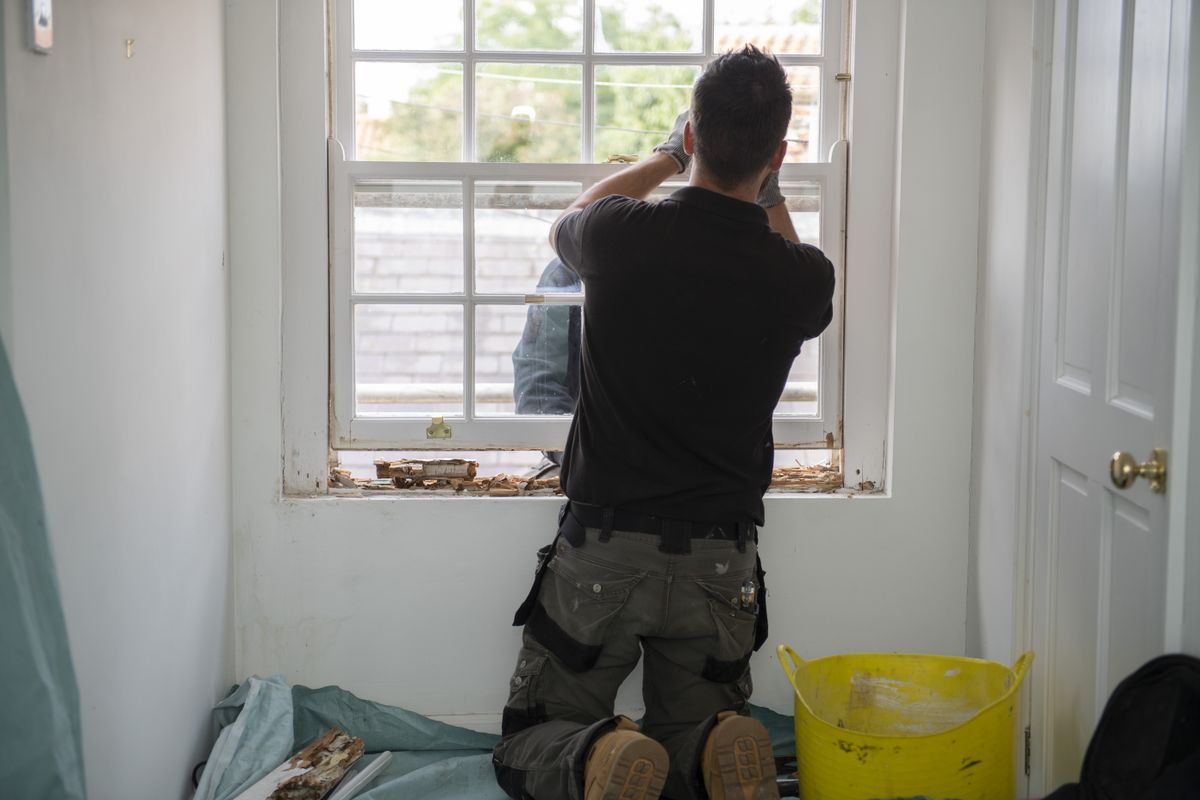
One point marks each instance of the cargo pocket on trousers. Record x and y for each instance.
(525, 707)
(579, 600)
(734, 632)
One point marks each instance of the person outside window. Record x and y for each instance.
(695, 308)
(546, 359)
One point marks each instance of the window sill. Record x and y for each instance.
(791, 481)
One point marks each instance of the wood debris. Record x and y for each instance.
(404, 477)
(817, 478)
(503, 485)
(324, 762)
(342, 478)
(421, 469)
(460, 476)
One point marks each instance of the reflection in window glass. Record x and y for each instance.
(408, 25)
(512, 227)
(635, 26)
(529, 112)
(800, 395)
(549, 25)
(777, 26)
(408, 360)
(804, 131)
(636, 106)
(527, 357)
(408, 237)
(408, 112)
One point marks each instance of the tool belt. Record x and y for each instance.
(675, 534)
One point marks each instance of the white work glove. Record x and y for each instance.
(673, 146)
(769, 194)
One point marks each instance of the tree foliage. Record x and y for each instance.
(533, 112)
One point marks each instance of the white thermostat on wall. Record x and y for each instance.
(41, 25)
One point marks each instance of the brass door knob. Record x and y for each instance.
(1125, 469)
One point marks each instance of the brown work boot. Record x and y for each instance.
(625, 764)
(738, 761)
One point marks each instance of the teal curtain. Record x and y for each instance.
(41, 747)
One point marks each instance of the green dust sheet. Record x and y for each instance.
(41, 744)
(264, 721)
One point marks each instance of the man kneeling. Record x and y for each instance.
(695, 308)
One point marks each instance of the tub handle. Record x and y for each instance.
(1021, 666)
(790, 662)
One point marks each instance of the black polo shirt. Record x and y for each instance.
(694, 312)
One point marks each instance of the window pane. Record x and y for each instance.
(526, 25)
(636, 106)
(529, 112)
(408, 112)
(801, 393)
(512, 227)
(408, 360)
(408, 25)
(526, 359)
(804, 131)
(777, 26)
(408, 237)
(634, 26)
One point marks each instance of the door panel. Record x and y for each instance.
(1132, 611)
(1073, 618)
(1133, 340)
(1106, 351)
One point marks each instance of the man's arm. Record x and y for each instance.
(636, 181)
(781, 222)
(771, 199)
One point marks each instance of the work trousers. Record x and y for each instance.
(604, 601)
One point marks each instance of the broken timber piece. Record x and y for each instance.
(424, 469)
(312, 772)
(327, 760)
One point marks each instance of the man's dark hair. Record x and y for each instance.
(741, 105)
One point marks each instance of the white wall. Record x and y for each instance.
(409, 600)
(1002, 386)
(118, 337)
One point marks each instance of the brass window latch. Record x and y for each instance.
(438, 429)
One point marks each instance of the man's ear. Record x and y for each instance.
(777, 158)
(689, 145)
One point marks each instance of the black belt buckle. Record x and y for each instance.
(676, 536)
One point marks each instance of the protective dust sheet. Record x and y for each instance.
(264, 721)
(41, 745)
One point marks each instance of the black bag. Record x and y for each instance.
(1147, 743)
(544, 555)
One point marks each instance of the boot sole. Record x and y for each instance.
(746, 760)
(639, 773)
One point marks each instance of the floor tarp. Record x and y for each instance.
(264, 721)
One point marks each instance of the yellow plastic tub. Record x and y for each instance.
(893, 725)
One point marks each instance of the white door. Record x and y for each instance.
(1107, 327)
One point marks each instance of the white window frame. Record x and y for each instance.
(349, 431)
(292, 229)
